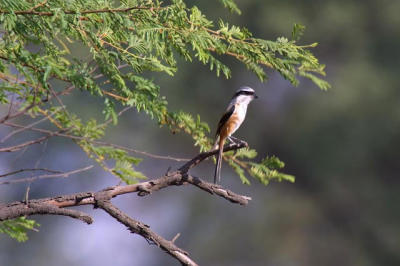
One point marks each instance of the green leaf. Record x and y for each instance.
(240, 172)
(125, 171)
(297, 31)
(17, 228)
(245, 153)
(231, 5)
(267, 170)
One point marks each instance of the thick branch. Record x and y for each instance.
(144, 230)
(50, 209)
(177, 178)
(35, 207)
(56, 205)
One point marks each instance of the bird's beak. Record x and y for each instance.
(255, 96)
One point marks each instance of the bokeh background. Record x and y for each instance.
(342, 146)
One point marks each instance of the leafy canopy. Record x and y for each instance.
(123, 39)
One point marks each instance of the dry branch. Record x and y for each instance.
(144, 230)
(57, 205)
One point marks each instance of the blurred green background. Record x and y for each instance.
(342, 146)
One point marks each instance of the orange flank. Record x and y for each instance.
(229, 127)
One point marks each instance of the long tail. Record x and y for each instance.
(217, 175)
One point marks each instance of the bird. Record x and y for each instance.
(230, 122)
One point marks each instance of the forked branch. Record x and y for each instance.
(101, 199)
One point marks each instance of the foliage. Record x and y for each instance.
(16, 228)
(125, 40)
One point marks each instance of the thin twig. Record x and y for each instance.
(25, 144)
(119, 114)
(99, 143)
(8, 78)
(241, 57)
(16, 114)
(26, 127)
(58, 100)
(32, 142)
(30, 169)
(38, 5)
(56, 175)
(11, 104)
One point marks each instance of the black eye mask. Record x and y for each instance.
(243, 93)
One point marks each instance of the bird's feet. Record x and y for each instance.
(237, 141)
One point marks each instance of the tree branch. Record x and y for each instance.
(177, 178)
(218, 190)
(144, 230)
(34, 207)
(57, 205)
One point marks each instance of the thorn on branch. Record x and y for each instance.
(142, 190)
(175, 237)
(169, 169)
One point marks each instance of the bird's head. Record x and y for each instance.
(244, 95)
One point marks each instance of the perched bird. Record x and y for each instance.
(230, 122)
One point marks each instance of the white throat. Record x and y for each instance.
(242, 100)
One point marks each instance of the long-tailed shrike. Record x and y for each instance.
(230, 122)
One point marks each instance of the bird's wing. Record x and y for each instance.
(225, 118)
